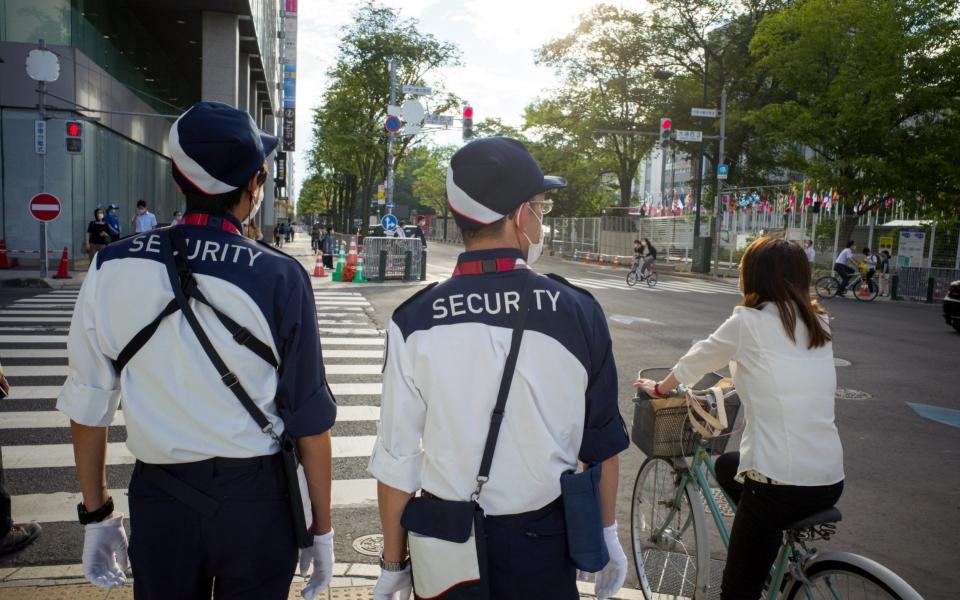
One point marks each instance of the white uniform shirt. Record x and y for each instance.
(811, 254)
(787, 393)
(175, 407)
(845, 257)
(446, 353)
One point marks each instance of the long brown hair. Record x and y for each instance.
(775, 270)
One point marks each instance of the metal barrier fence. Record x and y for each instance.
(924, 285)
(404, 257)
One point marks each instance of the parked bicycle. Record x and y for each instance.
(864, 290)
(636, 274)
(677, 555)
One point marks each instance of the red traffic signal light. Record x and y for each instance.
(74, 129)
(467, 112)
(665, 124)
(467, 122)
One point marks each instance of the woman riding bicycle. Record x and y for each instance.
(790, 464)
(649, 257)
(637, 253)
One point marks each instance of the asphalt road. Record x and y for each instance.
(901, 502)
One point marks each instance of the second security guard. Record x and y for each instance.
(451, 352)
(212, 341)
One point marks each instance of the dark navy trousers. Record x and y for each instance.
(527, 556)
(243, 550)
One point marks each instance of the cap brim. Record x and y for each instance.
(552, 182)
(269, 143)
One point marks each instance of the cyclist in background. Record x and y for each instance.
(637, 254)
(790, 465)
(649, 257)
(868, 266)
(845, 266)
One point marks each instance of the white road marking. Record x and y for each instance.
(54, 320)
(352, 370)
(348, 353)
(6, 353)
(339, 331)
(356, 389)
(32, 339)
(333, 341)
(27, 392)
(36, 371)
(45, 300)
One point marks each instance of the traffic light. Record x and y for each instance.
(467, 123)
(74, 137)
(665, 125)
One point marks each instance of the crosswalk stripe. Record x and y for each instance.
(32, 308)
(334, 311)
(44, 300)
(50, 328)
(350, 331)
(337, 295)
(367, 341)
(56, 320)
(32, 339)
(60, 507)
(49, 419)
(27, 392)
(352, 353)
(352, 369)
(7, 353)
(35, 371)
(323, 322)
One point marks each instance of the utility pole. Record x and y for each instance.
(42, 105)
(663, 170)
(388, 185)
(700, 162)
(716, 204)
(673, 174)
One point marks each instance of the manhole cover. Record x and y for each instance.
(848, 394)
(369, 545)
(841, 362)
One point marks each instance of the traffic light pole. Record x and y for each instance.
(42, 98)
(715, 226)
(388, 191)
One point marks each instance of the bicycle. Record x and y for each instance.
(671, 542)
(636, 275)
(864, 290)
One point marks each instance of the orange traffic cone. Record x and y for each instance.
(62, 272)
(616, 261)
(4, 263)
(318, 266)
(864, 290)
(600, 260)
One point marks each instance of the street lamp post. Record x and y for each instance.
(716, 204)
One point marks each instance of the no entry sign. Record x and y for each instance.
(44, 207)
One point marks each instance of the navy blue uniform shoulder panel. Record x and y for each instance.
(556, 309)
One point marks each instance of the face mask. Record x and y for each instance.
(535, 249)
(141, 211)
(257, 201)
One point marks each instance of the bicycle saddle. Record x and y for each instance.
(831, 515)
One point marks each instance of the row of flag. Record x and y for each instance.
(767, 202)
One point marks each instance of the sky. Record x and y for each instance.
(497, 39)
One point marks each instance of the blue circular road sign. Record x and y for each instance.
(393, 124)
(389, 222)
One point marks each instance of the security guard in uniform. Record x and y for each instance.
(210, 503)
(446, 352)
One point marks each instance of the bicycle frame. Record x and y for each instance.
(696, 472)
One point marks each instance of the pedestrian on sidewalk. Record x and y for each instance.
(13, 536)
(113, 222)
(790, 464)
(144, 220)
(327, 247)
(97, 235)
(222, 378)
(811, 253)
(177, 217)
(560, 410)
(278, 235)
(883, 272)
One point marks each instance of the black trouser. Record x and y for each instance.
(6, 519)
(527, 556)
(244, 549)
(845, 272)
(763, 512)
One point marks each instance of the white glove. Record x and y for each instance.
(320, 555)
(105, 552)
(394, 585)
(610, 578)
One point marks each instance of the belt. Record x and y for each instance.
(761, 478)
(160, 476)
(554, 505)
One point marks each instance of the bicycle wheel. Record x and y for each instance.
(632, 278)
(840, 580)
(864, 291)
(652, 279)
(827, 287)
(663, 531)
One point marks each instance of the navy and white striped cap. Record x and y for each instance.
(217, 148)
(490, 177)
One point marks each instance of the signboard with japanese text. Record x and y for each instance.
(289, 129)
(911, 246)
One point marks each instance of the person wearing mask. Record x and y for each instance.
(97, 235)
(845, 266)
(811, 253)
(13, 536)
(649, 257)
(883, 270)
(637, 253)
(144, 220)
(420, 233)
(113, 222)
(790, 465)
(177, 217)
(561, 408)
(327, 246)
(868, 264)
(221, 374)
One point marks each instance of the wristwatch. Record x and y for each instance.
(393, 566)
(86, 517)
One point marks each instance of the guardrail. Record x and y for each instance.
(922, 284)
(393, 258)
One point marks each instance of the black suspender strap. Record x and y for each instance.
(142, 337)
(496, 418)
(179, 272)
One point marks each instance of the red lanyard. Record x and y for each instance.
(204, 219)
(494, 265)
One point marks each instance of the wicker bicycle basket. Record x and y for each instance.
(667, 432)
